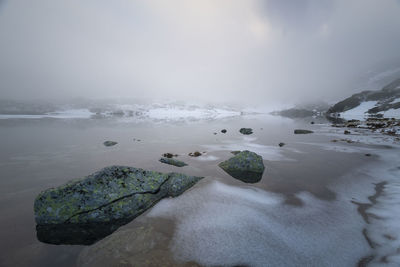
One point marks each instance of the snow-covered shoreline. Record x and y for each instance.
(154, 112)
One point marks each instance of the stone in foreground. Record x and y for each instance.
(246, 131)
(246, 166)
(299, 131)
(173, 162)
(110, 143)
(83, 211)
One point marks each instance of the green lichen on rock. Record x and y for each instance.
(173, 162)
(112, 194)
(246, 166)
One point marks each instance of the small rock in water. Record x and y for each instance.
(169, 155)
(246, 131)
(300, 131)
(110, 143)
(195, 154)
(312, 122)
(223, 131)
(368, 155)
(346, 132)
(173, 162)
(246, 166)
(235, 152)
(281, 144)
(215, 133)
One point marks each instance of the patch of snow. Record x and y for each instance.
(223, 225)
(207, 158)
(359, 112)
(396, 100)
(183, 113)
(391, 113)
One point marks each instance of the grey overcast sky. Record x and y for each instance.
(250, 51)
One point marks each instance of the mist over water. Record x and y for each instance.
(249, 52)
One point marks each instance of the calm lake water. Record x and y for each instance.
(304, 194)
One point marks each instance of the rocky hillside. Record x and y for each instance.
(382, 103)
(303, 111)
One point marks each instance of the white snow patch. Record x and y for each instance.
(396, 100)
(183, 113)
(359, 112)
(207, 158)
(391, 113)
(222, 225)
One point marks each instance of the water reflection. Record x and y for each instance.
(76, 234)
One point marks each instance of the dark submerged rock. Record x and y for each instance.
(246, 166)
(281, 144)
(169, 155)
(223, 131)
(173, 162)
(300, 131)
(83, 211)
(195, 154)
(246, 131)
(346, 132)
(110, 143)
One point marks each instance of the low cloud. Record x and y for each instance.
(252, 52)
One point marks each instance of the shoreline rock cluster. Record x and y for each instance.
(383, 125)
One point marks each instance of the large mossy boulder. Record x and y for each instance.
(107, 199)
(246, 166)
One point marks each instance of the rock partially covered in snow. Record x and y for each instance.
(246, 166)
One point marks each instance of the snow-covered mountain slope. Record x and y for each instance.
(382, 103)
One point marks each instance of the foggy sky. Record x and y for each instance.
(245, 51)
